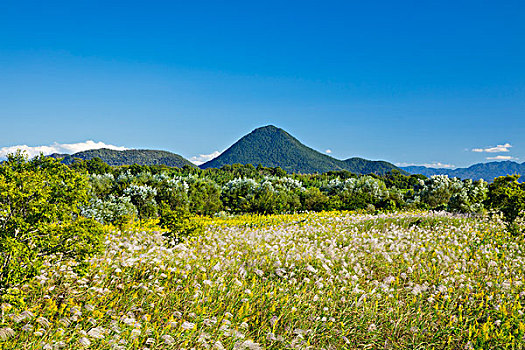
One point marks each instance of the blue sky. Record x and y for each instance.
(405, 81)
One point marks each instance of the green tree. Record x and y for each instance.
(204, 196)
(313, 199)
(92, 166)
(179, 222)
(39, 216)
(507, 195)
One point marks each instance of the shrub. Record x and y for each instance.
(172, 191)
(143, 197)
(179, 222)
(204, 196)
(438, 189)
(469, 199)
(113, 210)
(39, 217)
(507, 195)
(358, 193)
(237, 195)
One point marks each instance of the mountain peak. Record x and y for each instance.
(271, 146)
(268, 129)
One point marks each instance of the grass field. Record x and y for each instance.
(309, 281)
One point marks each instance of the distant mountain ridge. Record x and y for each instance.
(271, 146)
(485, 171)
(128, 157)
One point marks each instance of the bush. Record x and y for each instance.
(143, 197)
(114, 210)
(313, 199)
(179, 223)
(470, 198)
(172, 191)
(358, 193)
(438, 189)
(204, 196)
(40, 204)
(507, 195)
(237, 195)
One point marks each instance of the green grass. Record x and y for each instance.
(307, 281)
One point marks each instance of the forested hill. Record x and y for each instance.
(485, 171)
(273, 147)
(128, 157)
(364, 166)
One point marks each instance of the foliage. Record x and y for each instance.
(267, 196)
(172, 190)
(507, 195)
(204, 196)
(206, 192)
(143, 197)
(470, 198)
(364, 166)
(313, 199)
(238, 194)
(178, 222)
(91, 166)
(114, 210)
(39, 217)
(438, 189)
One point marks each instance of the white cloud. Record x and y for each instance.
(328, 151)
(428, 165)
(68, 148)
(502, 158)
(497, 149)
(203, 158)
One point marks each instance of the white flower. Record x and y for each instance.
(168, 339)
(97, 333)
(85, 342)
(44, 322)
(27, 328)
(311, 269)
(389, 279)
(247, 344)
(218, 345)
(135, 333)
(187, 325)
(25, 315)
(6, 333)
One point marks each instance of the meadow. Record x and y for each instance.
(327, 280)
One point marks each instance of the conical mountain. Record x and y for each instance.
(273, 147)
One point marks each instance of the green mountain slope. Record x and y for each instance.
(364, 166)
(273, 147)
(128, 157)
